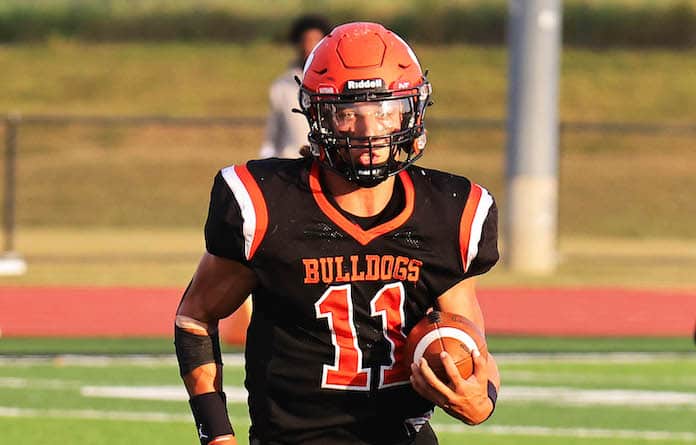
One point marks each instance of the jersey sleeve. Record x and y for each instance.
(478, 232)
(224, 226)
(475, 247)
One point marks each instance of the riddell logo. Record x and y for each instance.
(364, 84)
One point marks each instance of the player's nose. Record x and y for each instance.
(367, 125)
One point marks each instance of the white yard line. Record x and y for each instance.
(512, 430)
(234, 394)
(506, 430)
(558, 395)
(38, 383)
(591, 357)
(550, 377)
(555, 395)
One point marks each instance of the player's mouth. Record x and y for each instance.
(373, 157)
(368, 158)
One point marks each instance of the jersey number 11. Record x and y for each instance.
(346, 372)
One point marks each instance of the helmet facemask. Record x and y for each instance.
(370, 136)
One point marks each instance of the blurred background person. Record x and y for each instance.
(286, 132)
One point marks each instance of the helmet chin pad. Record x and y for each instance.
(370, 176)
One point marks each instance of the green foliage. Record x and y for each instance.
(586, 23)
(646, 25)
(481, 23)
(91, 23)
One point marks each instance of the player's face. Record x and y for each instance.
(368, 119)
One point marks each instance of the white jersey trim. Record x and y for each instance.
(484, 205)
(246, 205)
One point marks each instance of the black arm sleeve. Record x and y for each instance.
(194, 350)
(224, 226)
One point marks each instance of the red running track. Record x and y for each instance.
(149, 312)
(600, 312)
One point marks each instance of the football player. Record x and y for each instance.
(343, 253)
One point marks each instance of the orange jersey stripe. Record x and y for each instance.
(259, 203)
(364, 237)
(466, 222)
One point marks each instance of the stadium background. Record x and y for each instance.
(109, 209)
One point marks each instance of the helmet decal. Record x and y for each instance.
(409, 50)
(364, 84)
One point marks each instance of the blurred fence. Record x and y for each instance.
(15, 133)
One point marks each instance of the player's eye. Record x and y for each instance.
(346, 114)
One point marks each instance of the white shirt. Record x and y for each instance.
(285, 131)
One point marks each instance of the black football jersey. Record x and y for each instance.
(324, 354)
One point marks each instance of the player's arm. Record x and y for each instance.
(217, 289)
(471, 400)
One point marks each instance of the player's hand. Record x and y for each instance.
(224, 440)
(464, 399)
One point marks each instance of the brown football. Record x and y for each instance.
(444, 331)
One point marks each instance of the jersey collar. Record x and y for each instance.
(364, 237)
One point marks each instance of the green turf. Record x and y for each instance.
(590, 344)
(164, 347)
(96, 432)
(53, 345)
(668, 373)
(50, 401)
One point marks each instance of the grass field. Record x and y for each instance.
(70, 77)
(583, 398)
(611, 184)
(18, 346)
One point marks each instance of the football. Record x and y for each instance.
(444, 331)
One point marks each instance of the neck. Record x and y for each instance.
(356, 200)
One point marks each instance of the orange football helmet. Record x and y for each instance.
(364, 71)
